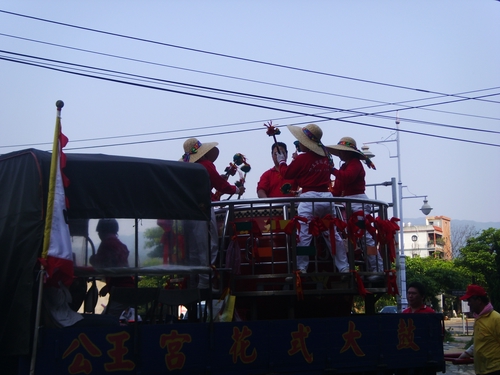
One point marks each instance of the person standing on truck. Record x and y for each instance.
(206, 154)
(416, 299)
(271, 183)
(311, 171)
(486, 348)
(111, 253)
(350, 182)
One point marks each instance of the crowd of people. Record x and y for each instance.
(308, 174)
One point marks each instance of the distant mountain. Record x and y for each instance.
(478, 225)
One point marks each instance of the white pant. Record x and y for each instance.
(319, 209)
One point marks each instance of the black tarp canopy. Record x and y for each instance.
(101, 186)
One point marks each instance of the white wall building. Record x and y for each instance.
(432, 239)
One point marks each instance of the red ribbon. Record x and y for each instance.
(361, 287)
(298, 286)
(354, 231)
(370, 228)
(392, 285)
(317, 226)
(332, 223)
(294, 223)
(386, 232)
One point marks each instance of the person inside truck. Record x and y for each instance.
(350, 182)
(272, 184)
(110, 254)
(206, 154)
(416, 299)
(311, 171)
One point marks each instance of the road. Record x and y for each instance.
(459, 329)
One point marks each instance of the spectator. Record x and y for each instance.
(271, 183)
(416, 299)
(486, 348)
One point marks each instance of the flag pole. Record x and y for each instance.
(41, 274)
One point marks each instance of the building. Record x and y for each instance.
(432, 239)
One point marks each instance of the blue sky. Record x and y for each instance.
(348, 66)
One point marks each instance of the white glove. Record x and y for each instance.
(281, 158)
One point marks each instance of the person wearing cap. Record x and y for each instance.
(486, 348)
(111, 253)
(271, 183)
(350, 182)
(206, 154)
(311, 171)
(416, 298)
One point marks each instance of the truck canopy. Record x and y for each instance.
(101, 186)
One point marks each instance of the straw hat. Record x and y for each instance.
(310, 136)
(345, 144)
(194, 150)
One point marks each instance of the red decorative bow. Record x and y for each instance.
(370, 228)
(298, 286)
(386, 232)
(332, 223)
(294, 223)
(392, 285)
(354, 231)
(361, 287)
(317, 226)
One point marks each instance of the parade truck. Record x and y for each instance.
(259, 315)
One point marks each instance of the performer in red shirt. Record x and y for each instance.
(311, 170)
(350, 182)
(206, 154)
(271, 183)
(416, 297)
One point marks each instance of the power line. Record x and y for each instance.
(259, 97)
(232, 57)
(241, 103)
(379, 103)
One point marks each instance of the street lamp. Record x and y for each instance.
(426, 209)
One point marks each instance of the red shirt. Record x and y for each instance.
(309, 170)
(349, 179)
(422, 310)
(216, 181)
(113, 253)
(271, 182)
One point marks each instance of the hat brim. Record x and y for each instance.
(205, 147)
(302, 138)
(465, 297)
(335, 150)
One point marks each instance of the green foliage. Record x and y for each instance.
(385, 300)
(152, 238)
(481, 256)
(153, 281)
(439, 277)
(448, 334)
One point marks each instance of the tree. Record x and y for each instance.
(460, 233)
(153, 241)
(481, 255)
(439, 277)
